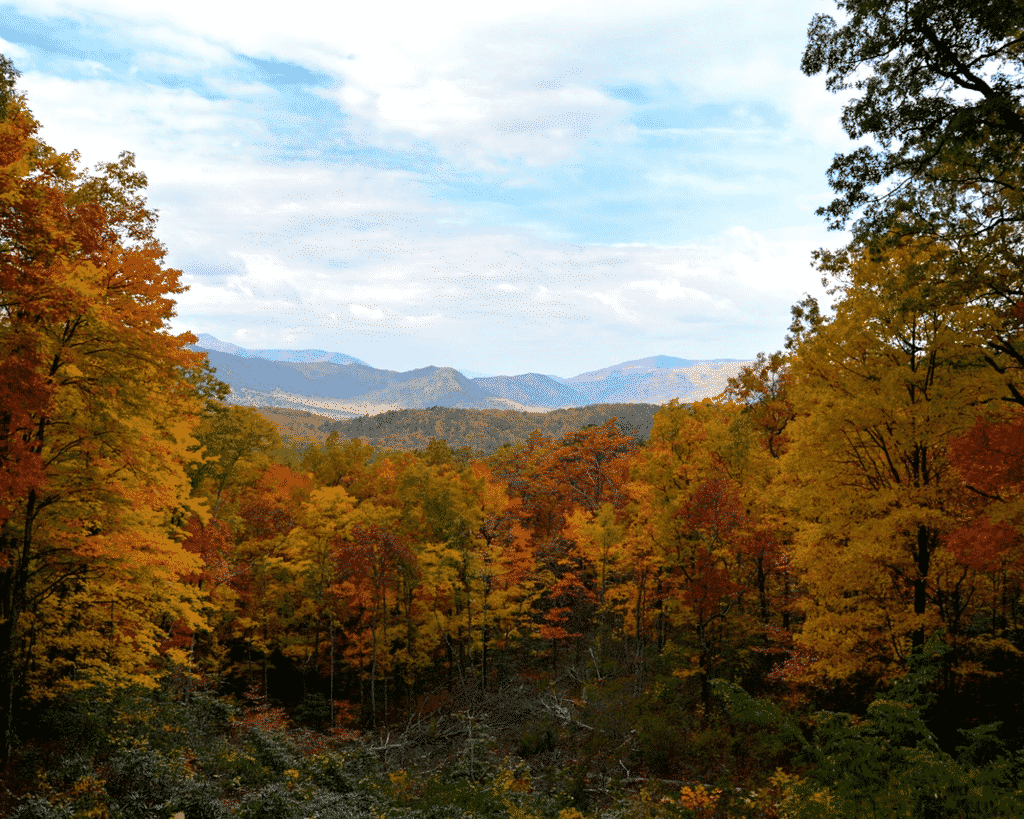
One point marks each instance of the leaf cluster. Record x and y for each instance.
(939, 91)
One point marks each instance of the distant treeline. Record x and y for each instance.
(481, 429)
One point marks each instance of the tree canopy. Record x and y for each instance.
(842, 521)
(96, 417)
(939, 90)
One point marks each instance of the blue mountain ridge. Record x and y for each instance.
(343, 386)
(208, 342)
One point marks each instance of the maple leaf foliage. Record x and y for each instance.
(990, 459)
(385, 566)
(763, 388)
(882, 388)
(674, 561)
(549, 480)
(95, 425)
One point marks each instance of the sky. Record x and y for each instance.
(504, 188)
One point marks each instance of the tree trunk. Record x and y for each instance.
(6, 691)
(483, 662)
(373, 679)
(762, 589)
(330, 626)
(12, 604)
(923, 558)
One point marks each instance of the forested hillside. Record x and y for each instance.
(338, 386)
(486, 430)
(802, 598)
(296, 425)
(478, 431)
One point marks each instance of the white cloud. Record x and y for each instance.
(176, 133)
(20, 56)
(485, 82)
(377, 256)
(706, 184)
(687, 295)
(488, 287)
(366, 313)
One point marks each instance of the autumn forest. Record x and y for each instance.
(801, 598)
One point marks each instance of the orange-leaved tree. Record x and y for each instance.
(689, 519)
(96, 411)
(990, 460)
(549, 480)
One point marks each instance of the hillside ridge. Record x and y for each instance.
(481, 430)
(343, 387)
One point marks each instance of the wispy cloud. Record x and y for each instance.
(502, 187)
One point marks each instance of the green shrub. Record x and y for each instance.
(272, 749)
(142, 781)
(212, 713)
(889, 762)
(657, 740)
(326, 771)
(663, 718)
(79, 719)
(244, 770)
(35, 807)
(536, 739)
(273, 801)
(69, 769)
(361, 763)
(314, 711)
(217, 759)
(457, 796)
(475, 758)
(199, 800)
(202, 719)
(356, 805)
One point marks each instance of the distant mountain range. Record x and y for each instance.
(208, 342)
(342, 386)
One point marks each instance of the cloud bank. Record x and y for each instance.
(504, 188)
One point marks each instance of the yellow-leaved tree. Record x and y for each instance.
(96, 414)
(677, 563)
(880, 389)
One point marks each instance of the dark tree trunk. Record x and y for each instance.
(6, 691)
(923, 558)
(13, 585)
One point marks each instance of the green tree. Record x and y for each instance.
(889, 761)
(940, 90)
(341, 463)
(235, 443)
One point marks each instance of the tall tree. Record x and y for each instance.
(881, 388)
(689, 512)
(675, 561)
(940, 89)
(95, 422)
(233, 440)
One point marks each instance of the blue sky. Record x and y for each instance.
(504, 188)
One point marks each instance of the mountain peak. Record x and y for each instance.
(342, 385)
(208, 342)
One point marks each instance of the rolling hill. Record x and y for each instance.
(480, 430)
